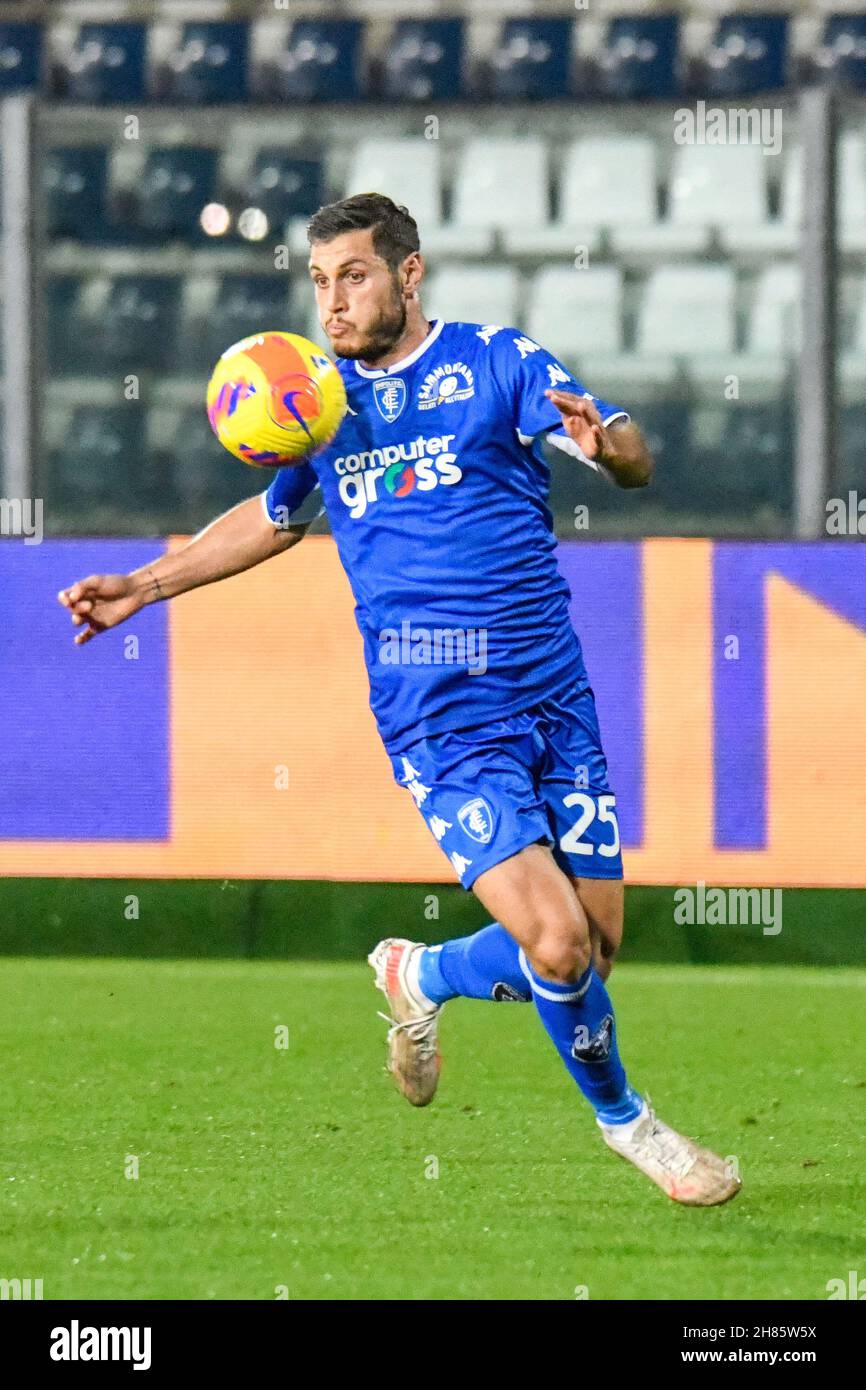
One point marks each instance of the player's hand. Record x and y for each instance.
(581, 422)
(101, 601)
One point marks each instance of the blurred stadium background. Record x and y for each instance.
(159, 162)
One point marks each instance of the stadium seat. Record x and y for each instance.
(577, 314)
(75, 182)
(106, 63)
(782, 234)
(851, 191)
(245, 304)
(176, 184)
(209, 65)
(638, 58)
(840, 57)
(772, 331)
(320, 62)
(852, 432)
(711, 187)
(469, 294)
(773, 320)
(502, 183)
(409, 171)
(102, 447)
(687, 316)
(606, 182)
(205, 477)
(69, 348)
(530, 61)
(747, 53)
(20, 57)
(135, 328)
(852, 364)
(285, 185)
(423, 61)
(739, 458)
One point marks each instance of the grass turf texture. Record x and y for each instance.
(302, 1167)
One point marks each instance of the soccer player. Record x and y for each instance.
(435, 487)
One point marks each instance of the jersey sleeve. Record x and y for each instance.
(294, 497)
(525, 371)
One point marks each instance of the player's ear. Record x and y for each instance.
(412, 273)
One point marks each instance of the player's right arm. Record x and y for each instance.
(238, 540)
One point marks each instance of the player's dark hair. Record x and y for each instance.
(395, 233)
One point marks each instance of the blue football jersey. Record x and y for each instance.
(436, 491)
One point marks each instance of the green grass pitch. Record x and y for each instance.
(263, 1170)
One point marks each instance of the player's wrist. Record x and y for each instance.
(147, 587)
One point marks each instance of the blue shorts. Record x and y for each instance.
(488, 792)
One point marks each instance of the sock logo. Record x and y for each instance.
(595, 1048)
(505, 994)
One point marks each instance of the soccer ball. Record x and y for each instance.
(274, 399)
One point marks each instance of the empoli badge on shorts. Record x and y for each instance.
(476, 818)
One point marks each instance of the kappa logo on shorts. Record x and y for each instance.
(476, 818)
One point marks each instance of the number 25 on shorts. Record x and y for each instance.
(591, 808)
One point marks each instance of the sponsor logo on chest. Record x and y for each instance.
(396, 470)
(446, 385)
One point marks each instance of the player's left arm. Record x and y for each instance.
(618, 449)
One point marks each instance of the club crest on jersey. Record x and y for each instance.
(389, 393)
(476, 818)
(446, 384)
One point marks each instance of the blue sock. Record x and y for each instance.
(482, 966)
(579, 1019)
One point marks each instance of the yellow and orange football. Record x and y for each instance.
(275, 398)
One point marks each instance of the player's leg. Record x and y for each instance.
(585, 835)
(603, 902)
(475, 791)
(537, 902)
(418, 979)
(484, 965)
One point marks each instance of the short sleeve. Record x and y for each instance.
(525, 371)
(293, 497)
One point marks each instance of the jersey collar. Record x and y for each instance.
(372, 372)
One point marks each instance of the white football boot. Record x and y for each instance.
(414, 1059)
(686, 1171)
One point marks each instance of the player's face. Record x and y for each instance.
(358, 296)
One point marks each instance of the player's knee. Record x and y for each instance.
(560, 955)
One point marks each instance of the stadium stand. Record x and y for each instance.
(316, 60)
(104, 63)
(654, 268)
